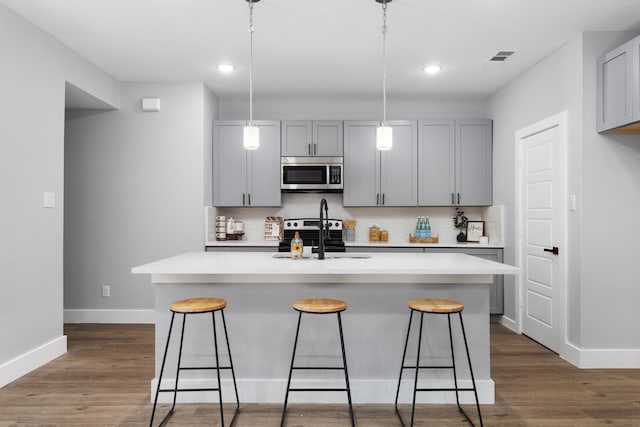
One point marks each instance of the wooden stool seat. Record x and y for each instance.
(320, 305)
(198, 305)
(428, 305)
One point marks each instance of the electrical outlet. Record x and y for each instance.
(106, 291)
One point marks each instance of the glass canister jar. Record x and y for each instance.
(384, 235)
(374, 233)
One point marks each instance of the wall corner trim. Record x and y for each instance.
(31, 360)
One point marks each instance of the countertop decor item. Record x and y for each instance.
(460, 222)
(273, 228)
(414, 239)
(475, 229)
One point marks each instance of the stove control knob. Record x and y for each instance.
(288, 224)
(295, 224)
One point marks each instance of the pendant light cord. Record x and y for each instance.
(251, 62)
(384, 63)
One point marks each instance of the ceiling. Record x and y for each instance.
(324, 48)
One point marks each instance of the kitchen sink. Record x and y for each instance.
(330, 255)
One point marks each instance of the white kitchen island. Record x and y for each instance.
(260, 289)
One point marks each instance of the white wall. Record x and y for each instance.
(136, 187)
(602, 171)
(32, 83)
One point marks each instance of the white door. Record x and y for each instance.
(542, 231)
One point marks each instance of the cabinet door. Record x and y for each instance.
(229, 163)
(361, 164)
(327, 138)
(296, 138)
(399, 166)
(474, 160)
(615, 82)
(263, 176)
(436, 163)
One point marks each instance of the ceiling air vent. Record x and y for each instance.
(500, 57)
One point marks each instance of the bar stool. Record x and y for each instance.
(197, 306)
(437, 306)
(318, 306)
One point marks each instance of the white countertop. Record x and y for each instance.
(261, 267)
(366, 243)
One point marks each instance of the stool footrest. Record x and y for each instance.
(187, 389)
(203, 368)
(318, 389)
(444, 389)
(325, 368)
(428, 367)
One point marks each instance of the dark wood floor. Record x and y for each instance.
(104, 380)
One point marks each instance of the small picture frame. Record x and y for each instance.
(475, 229)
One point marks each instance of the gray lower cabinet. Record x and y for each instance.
(455, 163)
(496, 294)
(246, 177)
(618, 86)
(305, 138)
(380, 178)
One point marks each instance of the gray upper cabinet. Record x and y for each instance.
(618, 78)
(312, 138)
(455, 163)
(380, 178)
(246, 177)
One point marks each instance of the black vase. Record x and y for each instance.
(461, 237)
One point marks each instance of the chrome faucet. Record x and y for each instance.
(323, 227)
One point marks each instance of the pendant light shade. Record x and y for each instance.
(251, 134)
(384, 137)
(251, 137)
(384, 133)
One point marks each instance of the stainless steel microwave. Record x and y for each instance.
(321, 174)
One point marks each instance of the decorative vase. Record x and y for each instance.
(461, 237)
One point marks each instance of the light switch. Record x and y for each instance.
(572, 202)
(49, 199)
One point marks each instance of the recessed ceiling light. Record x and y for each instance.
(432, 69)
(225, 68)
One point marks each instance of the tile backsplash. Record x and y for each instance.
(399, 221)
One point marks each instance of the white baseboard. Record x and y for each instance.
(362, 391)
(602, 358)
(25, 363)
(109, 316)
(509, 323)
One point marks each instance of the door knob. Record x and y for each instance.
(553, 250)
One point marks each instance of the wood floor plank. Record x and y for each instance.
(103, 380)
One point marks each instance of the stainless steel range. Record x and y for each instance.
(309, 233)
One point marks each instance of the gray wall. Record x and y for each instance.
(135, 186)
(602, 171)
(349, 108)
(551, 86)
(32, 83)
(609, 314)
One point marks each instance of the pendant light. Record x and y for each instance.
(384, 133)
(251, 134)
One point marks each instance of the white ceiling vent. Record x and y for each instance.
(500, 57)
